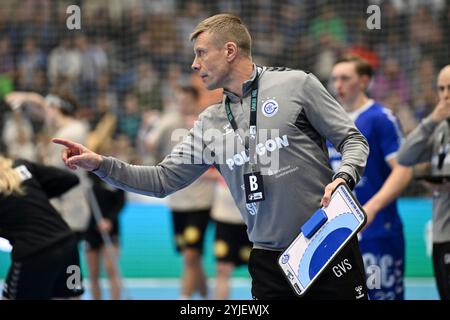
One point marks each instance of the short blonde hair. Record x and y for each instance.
(226, 27)
(10, 181)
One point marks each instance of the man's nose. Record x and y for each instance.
(195, 65)
(337, 85)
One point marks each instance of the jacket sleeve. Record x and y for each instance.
(330, 119)
(418, 146)
(54, 181)
(187, 161)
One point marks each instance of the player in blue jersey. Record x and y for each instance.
(382, 241)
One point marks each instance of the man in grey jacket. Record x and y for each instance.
(267, 139)
(430, 141)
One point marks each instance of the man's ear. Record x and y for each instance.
(365, 81)
(231, 51)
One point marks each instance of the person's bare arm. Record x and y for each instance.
(394, 185)
(16, 100)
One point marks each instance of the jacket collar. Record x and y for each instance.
(246, 86)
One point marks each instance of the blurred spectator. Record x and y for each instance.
(394, 21)
(39, 83)
(18, 136)
(5, 20)
(191, 13)
(425, 31)
(147, 88)
(96, 21)
(164, 48)
(7, 60)
(174, 77)
(423, 89)
(64, 63)
(42, 24)
(391, 79)
(31, 60)
(363, 47)
(150, 119)
(6, 67)
(410, 6)
(442, 57)
(103, 124)
(122, 149)
(105, 89)
(328, 35)
(326, 57)
(93, 62)
(395, 48)
(292, 26)
(158, 6)
(142, 52)
(267, 43)
(130, 118)
(402, 111)
(328, 24)
(229, 6)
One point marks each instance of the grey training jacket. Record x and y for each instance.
(295, 114)
(422, 145)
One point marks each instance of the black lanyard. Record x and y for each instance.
(250, 148)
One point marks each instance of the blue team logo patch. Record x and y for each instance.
(270, 108)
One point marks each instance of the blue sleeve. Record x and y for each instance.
(389, 133)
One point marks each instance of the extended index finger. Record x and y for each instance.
(64, 142)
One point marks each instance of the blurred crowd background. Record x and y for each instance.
(130, 57)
